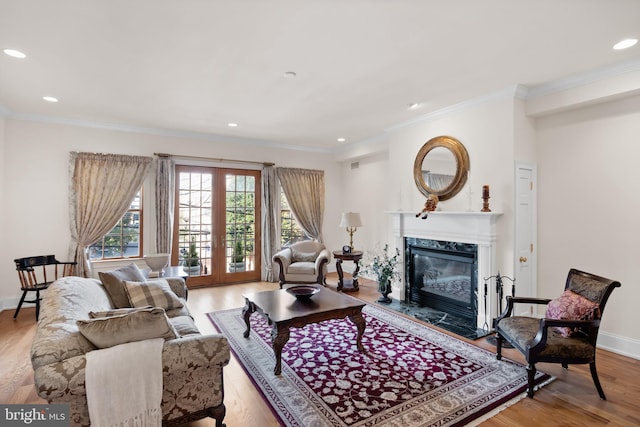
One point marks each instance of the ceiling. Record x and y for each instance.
(193, 66)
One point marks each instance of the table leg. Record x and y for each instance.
(248, 308)
(361, 324)
(340, 274)
(279, 337)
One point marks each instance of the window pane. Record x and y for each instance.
(123, 241)
(290, 231)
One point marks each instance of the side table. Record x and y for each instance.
(347, 285)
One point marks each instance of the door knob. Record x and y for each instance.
(523, 259)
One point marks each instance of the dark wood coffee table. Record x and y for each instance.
(283, 311)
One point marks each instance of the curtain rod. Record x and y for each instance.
(178, 156)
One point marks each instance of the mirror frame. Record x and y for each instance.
(462, 167)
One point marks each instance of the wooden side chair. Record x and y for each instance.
(568, 332)
(36, 274)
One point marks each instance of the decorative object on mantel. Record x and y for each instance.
(485, 199)
(429, 206)
(351, 221)
(385, 268)
(491, 339)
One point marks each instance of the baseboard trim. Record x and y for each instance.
(624, 346)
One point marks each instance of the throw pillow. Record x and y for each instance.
(116, 312)
(303, 256)
(570, 306)
(137, 325)
(113, 283)
(156, 293)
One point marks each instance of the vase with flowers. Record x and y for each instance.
(384, 267)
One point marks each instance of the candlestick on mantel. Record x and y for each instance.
(485, 199)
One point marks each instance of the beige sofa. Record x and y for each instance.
(191, 363)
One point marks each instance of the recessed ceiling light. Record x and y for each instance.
(341, 139)
(625, 44)
(50, 98)
(414, 106)
(290, 74)
(232, 125)
(15, 53)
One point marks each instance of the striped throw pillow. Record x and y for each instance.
(156, 293)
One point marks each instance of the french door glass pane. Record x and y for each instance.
(195, 222)
(240, 222)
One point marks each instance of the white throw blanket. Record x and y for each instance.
(124, 384)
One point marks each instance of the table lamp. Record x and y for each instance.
(351, 221)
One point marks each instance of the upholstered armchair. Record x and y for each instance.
(568, 332)
(303, 262)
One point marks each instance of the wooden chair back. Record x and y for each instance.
(40, 271)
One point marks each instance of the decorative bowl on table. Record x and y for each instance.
(157, 263)
(303, 292)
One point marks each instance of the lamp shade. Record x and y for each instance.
(350, 219)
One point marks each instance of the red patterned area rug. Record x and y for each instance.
(410, 376)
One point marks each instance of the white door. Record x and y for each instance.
(525, 244)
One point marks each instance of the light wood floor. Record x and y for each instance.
(571, 400)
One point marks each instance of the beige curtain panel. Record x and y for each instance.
(102, 189)
(304, 189)
(270, 211)
(165, 195)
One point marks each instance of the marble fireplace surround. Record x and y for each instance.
(477, 228)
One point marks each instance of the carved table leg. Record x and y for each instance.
(279, 337)
(340, 274)
(361, 324)
(248, 308)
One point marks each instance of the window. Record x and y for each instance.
(290, 231)
(123, 241)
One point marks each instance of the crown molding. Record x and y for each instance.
(209, 137)
(582, 79)
(509, 92)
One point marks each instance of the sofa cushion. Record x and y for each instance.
(116, 312)
(184, 325)
(570, 306)
(113, 282)
(299, 256)
(156, 293)
(137, 325)
(302, 268)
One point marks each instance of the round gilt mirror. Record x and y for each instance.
(441, 167)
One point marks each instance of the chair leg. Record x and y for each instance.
(596, 381)
(531, 375)
(498, 346)
(24, 294)
(37, 305)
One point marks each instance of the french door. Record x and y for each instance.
(217, 225)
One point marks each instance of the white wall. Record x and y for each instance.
(35, 208)
(385, 182)
(588, 200)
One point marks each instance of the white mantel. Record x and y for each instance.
(478, 228)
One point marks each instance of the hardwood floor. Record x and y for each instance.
(570, 400)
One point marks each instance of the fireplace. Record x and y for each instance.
(442, 275)
(462, 244)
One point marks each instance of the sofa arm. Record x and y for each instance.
(178, 286)
(323, 258)
(192, 374)
(284, 258)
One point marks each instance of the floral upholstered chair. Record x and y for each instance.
(568, 332)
